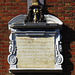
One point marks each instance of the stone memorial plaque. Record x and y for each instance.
(35, 52)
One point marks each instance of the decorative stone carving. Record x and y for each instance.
(23, 26)
(12, 59)
(35, 13)
(34, 2)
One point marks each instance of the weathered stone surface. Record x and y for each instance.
(35, 52)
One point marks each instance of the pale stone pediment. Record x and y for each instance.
(20, 19)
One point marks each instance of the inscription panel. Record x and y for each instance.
(35, 52)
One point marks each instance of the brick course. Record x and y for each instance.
(63, 9)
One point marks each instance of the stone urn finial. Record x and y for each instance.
(34, 2)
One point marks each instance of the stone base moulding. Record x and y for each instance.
(22, 70)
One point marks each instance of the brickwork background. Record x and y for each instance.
(63, 9)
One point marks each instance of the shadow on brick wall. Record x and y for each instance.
(68, 36)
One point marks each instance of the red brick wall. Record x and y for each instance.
(8, 10)
(63, 9)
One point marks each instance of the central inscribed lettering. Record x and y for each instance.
(35, 52)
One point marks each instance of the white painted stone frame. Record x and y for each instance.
(12, 59)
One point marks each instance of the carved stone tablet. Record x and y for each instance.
(35, 52)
